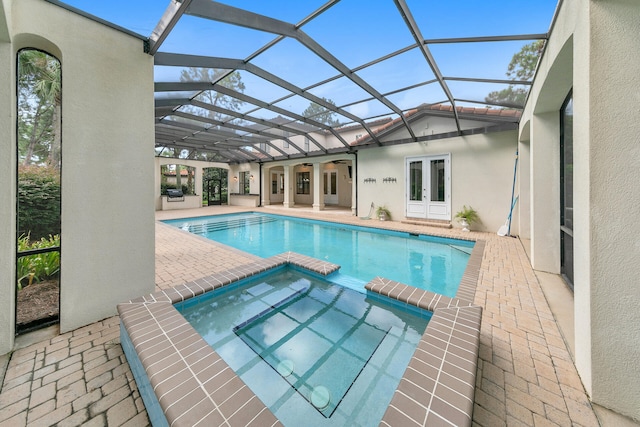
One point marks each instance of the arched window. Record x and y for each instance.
(39, 160)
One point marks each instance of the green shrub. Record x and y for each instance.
(38, 201)
(39, 267)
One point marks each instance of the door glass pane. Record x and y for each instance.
(274, 183)
(334, 183)
(415, 181)
(324, 184)
(437, 180)
(303, 181)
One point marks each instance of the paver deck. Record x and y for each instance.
(525, 372)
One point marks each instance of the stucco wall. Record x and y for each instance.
(7, 198)
(614, 104)
(482, 169)
(5, 19)
(594, 50)
(234, 177)
(107, 165)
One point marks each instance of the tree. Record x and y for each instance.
(40, 100)
(321, 114)
(212, 97)
(522, 67)
(231, 81)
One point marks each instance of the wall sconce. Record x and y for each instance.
(251, 177)
(235, 178)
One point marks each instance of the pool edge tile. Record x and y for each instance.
(165, 380)
(459, 317)
(433, 381)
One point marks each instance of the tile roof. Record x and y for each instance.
(427, 110)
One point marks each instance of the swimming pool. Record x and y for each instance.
(426, 262)
(315, 353)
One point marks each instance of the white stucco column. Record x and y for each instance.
(289, 186)
(545, 192)
(318, 193)
(266, 186)
(7, 195)
(197, 189)
(229, 186)
(354, 188)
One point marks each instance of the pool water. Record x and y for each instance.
(317, 354)
(426, 262)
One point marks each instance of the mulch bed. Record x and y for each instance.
(37, 303)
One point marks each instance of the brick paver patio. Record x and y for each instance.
(525, 373)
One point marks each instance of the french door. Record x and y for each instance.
(429, 187)
(277, 187)
(331, 187)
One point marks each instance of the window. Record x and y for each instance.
(566, 190)
(306, 143)
(39, 195)
(302, 183)
(245, 180)
(274, 183)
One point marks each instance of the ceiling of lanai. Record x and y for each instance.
(237, 76)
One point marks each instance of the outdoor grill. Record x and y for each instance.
(174, 195)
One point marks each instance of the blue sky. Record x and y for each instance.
(356, 32)
(440, 18)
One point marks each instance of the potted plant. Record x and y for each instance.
(467, 216)
(383, 213)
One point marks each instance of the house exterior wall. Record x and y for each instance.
(524, 184)
(482, 169)
(234, 177)
(594, 50)
(545, 162)
(432, 125)
(8, 193)
(107, 172)
(614, 156)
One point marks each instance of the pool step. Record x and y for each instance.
(228, 223)
(428, 222)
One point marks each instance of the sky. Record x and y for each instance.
(355, 32)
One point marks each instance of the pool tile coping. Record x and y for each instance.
(194, 386)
